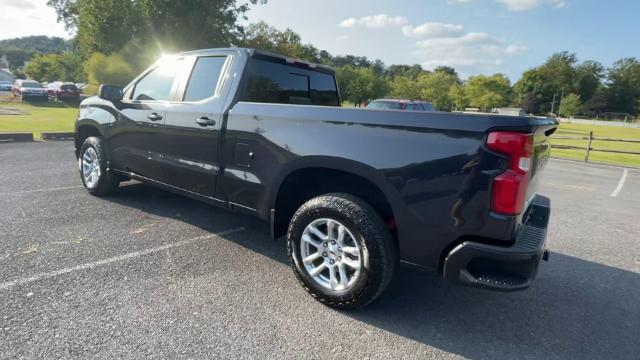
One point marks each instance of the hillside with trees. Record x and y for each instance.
(23, 49)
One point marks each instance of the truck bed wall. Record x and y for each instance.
(432, 167)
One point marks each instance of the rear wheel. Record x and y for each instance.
(341, 251)
(93, 166)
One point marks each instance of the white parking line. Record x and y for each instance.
(91, 265)
(620, 184)
(40, 190)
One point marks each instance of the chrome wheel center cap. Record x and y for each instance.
(333, 251)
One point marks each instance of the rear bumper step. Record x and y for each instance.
(503, 268)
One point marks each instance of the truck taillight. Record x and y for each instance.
(510, 187)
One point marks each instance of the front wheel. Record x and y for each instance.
(341, 251)
(93, 166)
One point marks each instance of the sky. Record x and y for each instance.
(473, 36)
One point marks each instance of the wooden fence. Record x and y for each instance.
(589, 148)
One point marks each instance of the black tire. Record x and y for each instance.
(371, 234)
(107, 181)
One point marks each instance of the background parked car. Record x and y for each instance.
(5, 85)
(28, 89)
(63, 91)
(400, 104)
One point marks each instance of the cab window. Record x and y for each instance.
(157, 84)
(205, 78)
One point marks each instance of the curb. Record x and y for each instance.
(57, 135)
(11, 137)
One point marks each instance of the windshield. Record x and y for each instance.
(31, 84)
(392, 105)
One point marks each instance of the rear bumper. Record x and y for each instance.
(503, 268)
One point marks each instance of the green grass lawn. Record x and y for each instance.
(598, 131)
(38, 116)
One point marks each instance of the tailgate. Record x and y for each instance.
(541, 153)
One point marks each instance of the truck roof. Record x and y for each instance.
(262, 53)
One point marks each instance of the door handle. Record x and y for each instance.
(205, 121)
(154, 117)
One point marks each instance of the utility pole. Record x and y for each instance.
(553, 103)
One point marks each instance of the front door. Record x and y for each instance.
(134, 142)
(191, 130)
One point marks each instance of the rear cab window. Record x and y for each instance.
(275, 81)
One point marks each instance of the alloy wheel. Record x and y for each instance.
(330, 254)
(90, 167)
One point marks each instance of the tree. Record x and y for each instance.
(350, 60)
(435, 87)
(108, 69)
(405, 87)
(528, 91)
(67, 11)
(529, 102)
(16, 56)
(378, 67)
(570, 105)
(488, 92)
(624, 86)
(37, 44)
(560, 74)
(446, 70)
(358, 85)
(265, 37)
(44, 68)
(410, 71)
(107, 25)
(55, 67)
(459, 97)
(587, 79)
(598, 102)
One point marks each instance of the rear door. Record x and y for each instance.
(134, 141)
(248, 155)
(190, 134)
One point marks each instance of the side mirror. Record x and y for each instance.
(110, 92)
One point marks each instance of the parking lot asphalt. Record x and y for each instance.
(149, 274)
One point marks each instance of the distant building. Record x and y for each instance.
(6, 75)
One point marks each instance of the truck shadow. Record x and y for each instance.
(576, 308)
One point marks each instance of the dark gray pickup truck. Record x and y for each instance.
(356, 191)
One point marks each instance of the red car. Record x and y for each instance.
(28, 89)
(63, 91)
